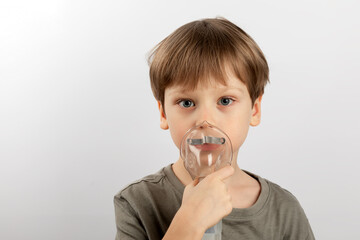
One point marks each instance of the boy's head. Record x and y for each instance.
(209, 70)
(207, 48)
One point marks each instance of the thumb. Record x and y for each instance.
(224, 172)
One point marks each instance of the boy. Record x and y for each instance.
(208, 70)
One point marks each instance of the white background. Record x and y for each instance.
(78, 121)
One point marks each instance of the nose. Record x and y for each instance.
(205, 116)
(204, 124)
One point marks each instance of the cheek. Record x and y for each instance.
(177, 131)
(238, 137)
(237, 130)
(176, 137)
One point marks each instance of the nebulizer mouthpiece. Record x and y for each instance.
(206, 149)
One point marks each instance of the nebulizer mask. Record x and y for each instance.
(206, 149)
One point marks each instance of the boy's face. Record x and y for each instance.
(226, 107)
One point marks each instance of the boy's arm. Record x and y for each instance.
(127, 225)
(204, 204)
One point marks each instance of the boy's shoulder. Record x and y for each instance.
(142, 183)
(280, 192)
(153, 195)
(276, 213)
(274, 189)
(276, 199)
(287, 209)
(155, 185)
(282, 196)
(284, 205)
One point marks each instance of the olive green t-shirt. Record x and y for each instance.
(145, 209)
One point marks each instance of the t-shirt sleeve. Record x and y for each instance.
(289, 216)
(307, 229)
(311, 235)
(128, 225)
(299, 227)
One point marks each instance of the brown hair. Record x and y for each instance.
(206, 48)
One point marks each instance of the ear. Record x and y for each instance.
(256, 112)
(163, 121)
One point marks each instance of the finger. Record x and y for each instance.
(224, 172)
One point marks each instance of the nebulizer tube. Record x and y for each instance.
(206, 149)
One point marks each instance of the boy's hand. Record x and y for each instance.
(208, 201)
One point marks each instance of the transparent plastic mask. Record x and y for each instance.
(205, 149)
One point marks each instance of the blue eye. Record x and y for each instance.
(186, 103)
(225, 101)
